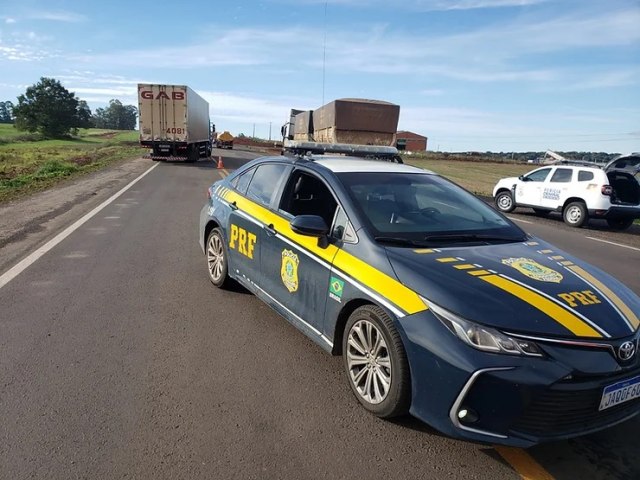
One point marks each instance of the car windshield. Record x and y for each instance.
(413, 209)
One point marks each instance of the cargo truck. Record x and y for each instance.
(225, 140)
(174, 122)
(353, 121)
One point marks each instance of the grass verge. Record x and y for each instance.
(29, 164)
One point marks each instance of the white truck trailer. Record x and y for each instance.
(174, 122)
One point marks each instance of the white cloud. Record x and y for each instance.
(428, 5)
(9, 20)
(58, 16)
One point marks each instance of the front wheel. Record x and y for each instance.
(575, 214)
(217, 263)
(620, 223)
(376, 362)
(504, 201)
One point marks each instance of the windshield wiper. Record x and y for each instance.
(471, 237)
(402, 242)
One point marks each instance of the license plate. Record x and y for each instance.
(620, 392)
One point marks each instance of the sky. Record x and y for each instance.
(471, 75)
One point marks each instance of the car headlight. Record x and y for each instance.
(483, 338)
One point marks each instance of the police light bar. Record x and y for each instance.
(297, 147)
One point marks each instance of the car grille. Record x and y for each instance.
(555, 413)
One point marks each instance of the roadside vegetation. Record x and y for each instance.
(478, 175)
(29, 163)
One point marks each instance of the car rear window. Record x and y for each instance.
(265, 182)
(562, 175)
(585, 176)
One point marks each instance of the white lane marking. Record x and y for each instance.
(614, 243)
(111, 218)
(17, 269)
(519, 220)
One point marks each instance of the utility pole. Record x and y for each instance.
(254, 131)
(269, 131)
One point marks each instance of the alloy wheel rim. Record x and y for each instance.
(215, 257)
(369, 362)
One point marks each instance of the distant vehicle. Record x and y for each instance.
(439, 305)
(174, 122)
(345, 121)
(224, 140)
(579, 190)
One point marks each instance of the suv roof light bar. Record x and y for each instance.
(299, 148)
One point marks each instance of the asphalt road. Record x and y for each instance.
(118, 359)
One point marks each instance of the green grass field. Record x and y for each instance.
(28, 164)
(478, 176)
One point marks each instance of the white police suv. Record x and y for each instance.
(578, 190)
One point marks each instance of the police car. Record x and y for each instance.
(578, 190)
(439, 305)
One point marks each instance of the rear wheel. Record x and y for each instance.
(620, 223)
(217, 262)
(504, 201)
(575, 214)
(376, 362)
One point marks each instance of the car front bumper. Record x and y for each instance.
(508, 399)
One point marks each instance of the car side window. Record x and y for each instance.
(538, 175)
(342, 228)
(265, 181)
(585, 176)
(305, 194)
(241, 182)
(562, 175)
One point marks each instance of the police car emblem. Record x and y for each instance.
(626, 351)
(533, 269)
(289, 270)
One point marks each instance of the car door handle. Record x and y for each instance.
(233, 206)
(270, 230)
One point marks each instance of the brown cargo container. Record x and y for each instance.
(354, 120)
(303, 128)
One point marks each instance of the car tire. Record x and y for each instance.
(504, 202)
(217, 263)
(620, 223)
(575, 214)
(376, 363)
(541, 212)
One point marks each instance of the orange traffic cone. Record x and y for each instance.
(220, 164)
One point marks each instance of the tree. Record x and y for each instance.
(49, 109)
(116, 116)
(84, 115)
(6, 112)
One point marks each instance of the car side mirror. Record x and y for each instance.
(311, 226)
(521, 178)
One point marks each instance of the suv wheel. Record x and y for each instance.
(575, 214)
(504, 202)
(620, 223)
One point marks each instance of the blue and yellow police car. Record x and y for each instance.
(440, 306)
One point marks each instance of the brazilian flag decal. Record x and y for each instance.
(335, 288)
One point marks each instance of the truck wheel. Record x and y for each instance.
(376, 362)
(621, 223)
(575, 214)
(504, 201)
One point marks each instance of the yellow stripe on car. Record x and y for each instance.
(447, 259)
(464, 266)
(372, 278)
(607, 292)
(570, 321)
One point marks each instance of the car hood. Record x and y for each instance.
(528, 287)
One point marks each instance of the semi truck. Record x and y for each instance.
(174, 122)
(347, 121)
